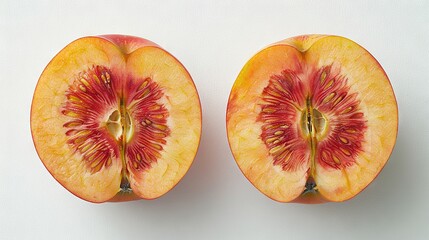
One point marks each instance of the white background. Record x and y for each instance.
(214, 39)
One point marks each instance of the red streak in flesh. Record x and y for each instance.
(283, 97)
(150, 127)
(332, 96)
(89, 97)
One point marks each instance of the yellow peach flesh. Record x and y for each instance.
(377, 103)
(177, 156)
(49, 133)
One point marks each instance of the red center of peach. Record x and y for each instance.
(110, 121)
(311, 117)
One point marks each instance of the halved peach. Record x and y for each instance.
(116, 118)
(312, 119)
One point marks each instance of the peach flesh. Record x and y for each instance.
(304, 121)
(112, 127)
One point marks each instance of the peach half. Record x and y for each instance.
(312, 119)
(116, 118)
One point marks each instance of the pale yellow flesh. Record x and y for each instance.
(185, 121)
(67, 167)
(244, 131)
(380, 110)
(364, 75)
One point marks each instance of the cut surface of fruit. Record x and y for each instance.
(311, 119)
(116, 118)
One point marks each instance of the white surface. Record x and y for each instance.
(214, 200)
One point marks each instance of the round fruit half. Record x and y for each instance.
(312, 119)
(116, 118)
